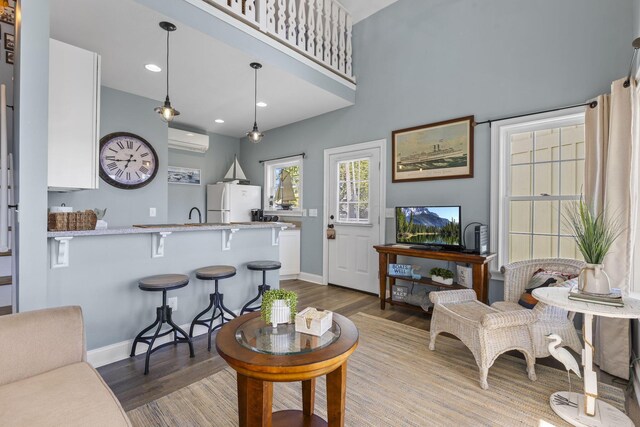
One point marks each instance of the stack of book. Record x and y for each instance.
(614, 298)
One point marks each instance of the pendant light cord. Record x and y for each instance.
(255, 98)
(168, 63)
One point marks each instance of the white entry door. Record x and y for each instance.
(354, 211)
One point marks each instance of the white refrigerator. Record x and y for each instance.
(228, 202)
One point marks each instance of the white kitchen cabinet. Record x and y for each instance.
(290, 252)
(74, 117)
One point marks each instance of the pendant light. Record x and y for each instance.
(255, 135)
(166, 111)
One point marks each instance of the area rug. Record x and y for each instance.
(392, 380)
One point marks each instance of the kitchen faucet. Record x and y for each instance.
(199, 214)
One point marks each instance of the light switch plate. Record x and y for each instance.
(152, 212)
(313, 212)
(390, 213)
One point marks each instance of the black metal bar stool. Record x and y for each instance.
(263, 266)
(215, 273)
(164, 283)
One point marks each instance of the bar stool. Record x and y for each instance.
(263, 266)
(215, 273)
(164, 283)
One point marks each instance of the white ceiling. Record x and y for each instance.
(209, 79)
(361, 9)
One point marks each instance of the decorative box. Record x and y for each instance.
(465, 276)
(313, 322)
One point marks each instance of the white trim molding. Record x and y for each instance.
(312, 278)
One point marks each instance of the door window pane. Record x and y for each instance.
(353, 191)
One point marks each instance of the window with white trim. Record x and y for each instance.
(537, 173)
(283, 186)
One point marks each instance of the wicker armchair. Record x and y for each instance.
(487, 332)
(549, 319)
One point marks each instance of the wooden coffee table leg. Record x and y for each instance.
(308, 396)
(336, 394)
(255, 399)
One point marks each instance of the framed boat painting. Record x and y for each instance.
(442, 150)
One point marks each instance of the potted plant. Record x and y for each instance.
(278, 306)
(594, 235)
(441, 275)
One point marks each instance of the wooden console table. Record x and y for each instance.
(388, 254)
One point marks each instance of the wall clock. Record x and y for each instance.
(127, 161)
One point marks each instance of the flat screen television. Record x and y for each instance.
(430, 226)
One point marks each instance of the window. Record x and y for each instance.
(353, 191)
(283, 186)
(537, 172)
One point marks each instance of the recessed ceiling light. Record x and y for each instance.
(189, 134)
(261, 104)
(219, 121)
(153, 68)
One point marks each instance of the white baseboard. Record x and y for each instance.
(121, 350)
(313, 278)
(289, 277)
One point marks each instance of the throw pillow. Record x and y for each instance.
(542, 278)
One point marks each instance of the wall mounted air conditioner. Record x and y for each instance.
(188, 141)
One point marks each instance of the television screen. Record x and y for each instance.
(429, 225)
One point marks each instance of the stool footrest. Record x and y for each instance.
(163, 316)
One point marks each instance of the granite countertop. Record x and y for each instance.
(157, 228)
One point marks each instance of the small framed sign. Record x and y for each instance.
(399, 293)
(403, 270)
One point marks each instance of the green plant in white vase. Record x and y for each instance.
(441, 275)
(594, 235)
(278, 306)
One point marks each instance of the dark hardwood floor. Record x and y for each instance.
(5, 310)
(171, 368)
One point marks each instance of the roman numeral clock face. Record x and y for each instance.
(127, 161)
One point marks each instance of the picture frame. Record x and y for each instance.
(179, 175)
(8, 15)
(9, 41)
(442, 150)
(9, 56)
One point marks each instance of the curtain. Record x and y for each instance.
(609, 185)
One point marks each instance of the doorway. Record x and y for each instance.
(354, 207)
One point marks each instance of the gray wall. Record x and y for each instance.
(32, 95)
(213, 164)
(636, 18)
(124, 112)
(422, 61)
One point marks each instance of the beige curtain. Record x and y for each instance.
(609, 168)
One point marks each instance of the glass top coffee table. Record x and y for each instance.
(262, 355)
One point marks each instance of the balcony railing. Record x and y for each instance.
(319, 29)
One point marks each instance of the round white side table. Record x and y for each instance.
(590, 411)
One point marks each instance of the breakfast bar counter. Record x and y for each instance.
(157, 228)
(99, 270)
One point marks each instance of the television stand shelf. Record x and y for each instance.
(388, 254)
